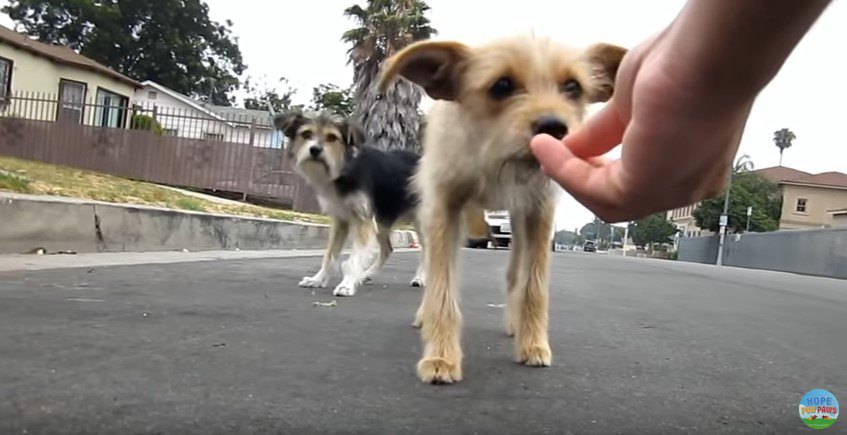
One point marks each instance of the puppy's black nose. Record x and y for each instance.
(315, 150)
(550, 125)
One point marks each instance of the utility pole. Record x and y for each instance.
(724, 220)
(625, 236)
(749, 212)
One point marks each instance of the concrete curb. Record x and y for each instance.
(58, 223)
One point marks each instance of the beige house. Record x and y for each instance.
(812, 201)
(32, 70)
(809, 201)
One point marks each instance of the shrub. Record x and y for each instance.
(144, 122)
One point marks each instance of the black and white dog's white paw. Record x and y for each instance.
(417, 282)
(345, 288)
(316, 281)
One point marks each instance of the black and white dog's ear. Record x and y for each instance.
(354, 135)
(289, 122)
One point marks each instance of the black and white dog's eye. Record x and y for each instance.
(571, 89)
(502, 88)
(331, 138)
(306, 134)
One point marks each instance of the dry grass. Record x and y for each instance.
(24, 176)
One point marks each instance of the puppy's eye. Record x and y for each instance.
(572, 89)
(306, 134)
(331, 137)
(502, 88)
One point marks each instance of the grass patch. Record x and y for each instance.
(23, 176)
(819, 423)
(14, 183)
(192, 204)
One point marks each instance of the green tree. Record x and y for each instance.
(652, 229)
(280, 98)
(748, 189)
(383, 27)
(332, 98)
(172, 42)
(783, 139)
(599, 230)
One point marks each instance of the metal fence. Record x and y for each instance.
(809, 252)
(220, 149)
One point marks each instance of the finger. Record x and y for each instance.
(597, 185)
(599, 134)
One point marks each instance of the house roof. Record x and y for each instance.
(785, 175)
(832, 178)
(221, 113)
(60, 54)
(775, 174)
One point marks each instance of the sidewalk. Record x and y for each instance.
(80, 225)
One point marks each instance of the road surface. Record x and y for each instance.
(234, 346)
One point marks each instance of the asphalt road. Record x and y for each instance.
(232, 347)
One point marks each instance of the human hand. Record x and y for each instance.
(679, 139)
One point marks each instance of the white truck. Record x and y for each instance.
(498, 231)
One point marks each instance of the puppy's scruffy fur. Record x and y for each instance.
(362, 189)
(491, 100)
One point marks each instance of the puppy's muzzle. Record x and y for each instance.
(550, 125)
(315, 151)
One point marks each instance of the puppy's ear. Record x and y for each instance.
(354, 135)
(604, 60)
(289, 122)
(435, 66)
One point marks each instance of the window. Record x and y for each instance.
(72, 102)
(801, 205)
(151, 95)
(5, 79)
(213, 136)
(110, 109)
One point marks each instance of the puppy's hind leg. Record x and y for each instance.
(358, 261)
(337, 237)
(532, 290)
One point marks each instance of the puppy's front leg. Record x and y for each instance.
(440, 313)
(337, 237)
(531, 291)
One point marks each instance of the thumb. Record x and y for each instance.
(599, 134)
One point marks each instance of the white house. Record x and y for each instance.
(182, 116)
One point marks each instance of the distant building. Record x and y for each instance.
(809, 201)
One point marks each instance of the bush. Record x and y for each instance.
(144, 122)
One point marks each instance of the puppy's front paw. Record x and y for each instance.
(439, 370)
(417, 282)
(313, 282)
(344, 289)
(535, 355)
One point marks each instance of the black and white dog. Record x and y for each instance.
(364, 190)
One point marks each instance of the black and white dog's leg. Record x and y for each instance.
(337, 237)
(383, 237)
(419, 279)
(359, 261)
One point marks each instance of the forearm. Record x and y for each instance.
(738, 46)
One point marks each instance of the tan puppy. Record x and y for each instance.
(491, 100)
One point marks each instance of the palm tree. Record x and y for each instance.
(743, 164)
(383, 27)
(783, 139)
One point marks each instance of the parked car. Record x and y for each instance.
(589, 246)
(500, 226)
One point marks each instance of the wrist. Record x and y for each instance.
(737, 47)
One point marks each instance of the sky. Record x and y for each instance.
(301, 41)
